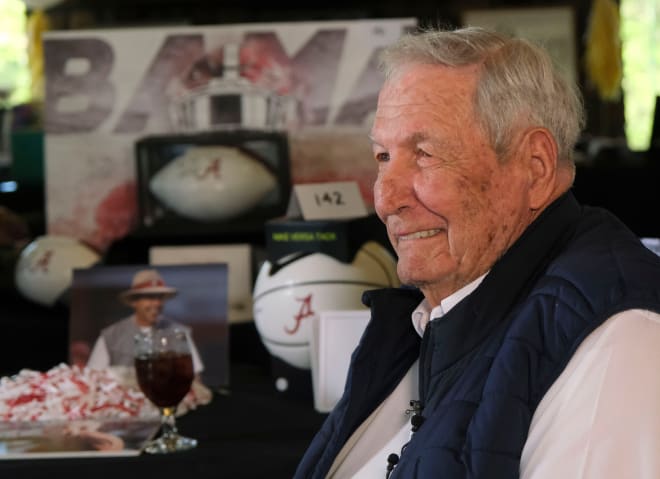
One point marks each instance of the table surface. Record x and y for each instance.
(248, 431)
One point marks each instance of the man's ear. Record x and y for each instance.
(542, 163)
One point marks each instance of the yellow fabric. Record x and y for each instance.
(37, 24)
(603, 49)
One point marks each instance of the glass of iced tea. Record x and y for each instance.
(164, 370)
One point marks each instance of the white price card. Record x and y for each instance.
(327, 201)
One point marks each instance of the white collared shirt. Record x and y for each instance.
(423, 313)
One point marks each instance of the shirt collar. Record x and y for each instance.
(423, 313)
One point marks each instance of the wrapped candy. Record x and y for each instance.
(70, 393)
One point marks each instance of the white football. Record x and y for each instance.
(290, 295)
(210, 183)
(44, 270)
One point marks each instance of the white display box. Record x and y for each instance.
(335, 335)
(238, 258)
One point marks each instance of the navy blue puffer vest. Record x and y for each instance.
(485, 366)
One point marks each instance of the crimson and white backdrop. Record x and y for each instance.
(107, 89)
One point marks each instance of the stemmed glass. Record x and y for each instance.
(164, 370)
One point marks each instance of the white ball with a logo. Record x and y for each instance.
(289, 295)
(44, 270)
(213, 183)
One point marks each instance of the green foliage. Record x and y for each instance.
(640, 37)
(14, 70)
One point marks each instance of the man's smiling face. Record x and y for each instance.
(450, 207)
(148, 308)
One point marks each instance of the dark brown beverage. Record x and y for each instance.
(165, 378)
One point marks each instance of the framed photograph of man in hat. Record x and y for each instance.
(109, 304)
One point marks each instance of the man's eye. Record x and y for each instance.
(382, 156)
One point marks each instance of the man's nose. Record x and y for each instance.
(393, 190)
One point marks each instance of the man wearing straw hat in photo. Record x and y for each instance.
(146, 297)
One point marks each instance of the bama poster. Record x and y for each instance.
(107, 89)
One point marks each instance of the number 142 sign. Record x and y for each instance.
(327, 201)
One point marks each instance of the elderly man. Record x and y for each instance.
(147, 296)
(530, 343)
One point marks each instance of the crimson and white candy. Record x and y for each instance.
(290, 296)
(70, 393)
(211, 183)
(44, 270)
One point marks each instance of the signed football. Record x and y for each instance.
(44, 270)
(289, 295)
(211, 183)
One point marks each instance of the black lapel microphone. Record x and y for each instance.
(416, 421)
(392, 460)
